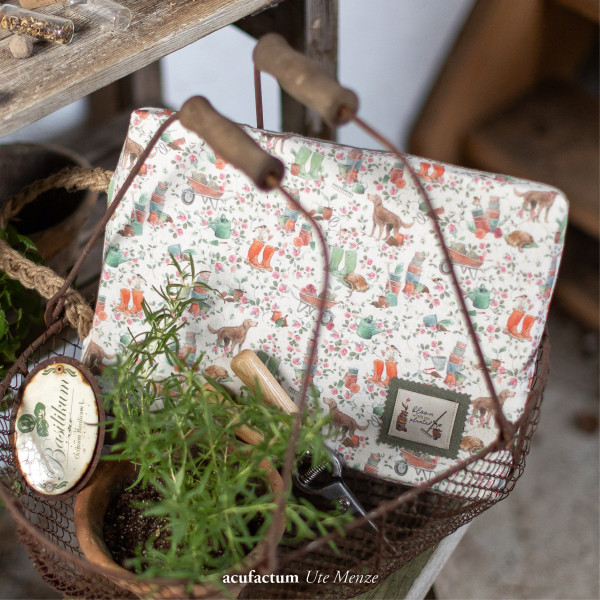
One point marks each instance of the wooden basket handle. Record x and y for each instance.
(230, 142)
(304, 79)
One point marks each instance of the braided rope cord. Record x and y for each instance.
(37, 277)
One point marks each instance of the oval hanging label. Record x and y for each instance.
(57, 439)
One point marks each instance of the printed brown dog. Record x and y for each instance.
(342, 422)
(519, 239)
(471, 444)
(217, 373)
(131, 152)
(235, 335)
(94, 358)
(485, 405)
(541, 200)
(385, 219)
(356, 282)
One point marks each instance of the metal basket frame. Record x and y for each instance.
(412, 519)
(46, 529)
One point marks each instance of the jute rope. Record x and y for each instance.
(39, 278)
(71, 178)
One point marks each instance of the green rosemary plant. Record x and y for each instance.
(215, 504)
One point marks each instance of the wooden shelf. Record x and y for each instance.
(578, 284)
(551, 135)
(56, 75)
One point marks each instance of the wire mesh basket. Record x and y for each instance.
(409, 520)
(46, 528)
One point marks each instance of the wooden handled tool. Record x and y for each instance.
(304, 79)
(229, 141)
(250, 369)
(250, 436)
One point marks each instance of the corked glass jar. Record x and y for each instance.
(106, 13)
(36, 25)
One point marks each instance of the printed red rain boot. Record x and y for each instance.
(391, 370)
(378, 366)
(124, 306)
(424, 170)
(138, 298)
(267, 254)
(253, 252)
(528, 322)
(438, 171)
(513, 321)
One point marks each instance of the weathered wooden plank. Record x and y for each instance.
(55, 75)
(551, 135)
(322, 46)
(494, 61)
(311, 27)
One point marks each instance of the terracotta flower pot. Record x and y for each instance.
(295, 169)
(396, 286)
(327, 212)
(456, 359)
(110, 480)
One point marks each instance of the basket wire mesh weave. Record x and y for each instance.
(412, 519)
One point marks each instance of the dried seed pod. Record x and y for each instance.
(21, 46)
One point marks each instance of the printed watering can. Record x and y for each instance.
(367, 328)
(114, 256)
(480, 297)
(221, 227)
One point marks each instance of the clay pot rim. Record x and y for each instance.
(97, 491)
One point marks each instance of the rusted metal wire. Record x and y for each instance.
(506, 429)
(412, 518)
(288, 465)
(54, 308)
(260, 123)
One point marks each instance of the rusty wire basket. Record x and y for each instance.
(409, 520)
(46, 528)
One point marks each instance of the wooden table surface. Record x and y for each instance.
(57, 75)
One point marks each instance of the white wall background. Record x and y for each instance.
(389, 53)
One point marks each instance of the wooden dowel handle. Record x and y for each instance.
(304, 79)
(250, 436)
(229, 141)
(250, 369)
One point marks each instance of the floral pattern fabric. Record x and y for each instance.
(391, 309)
